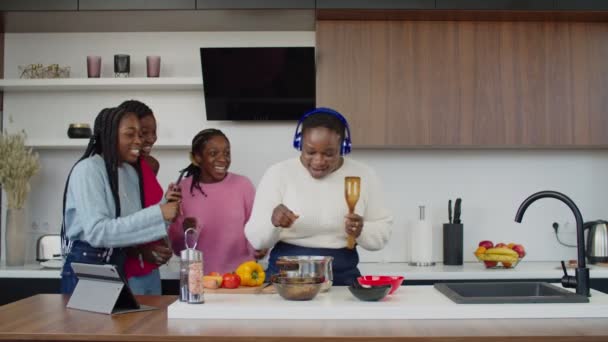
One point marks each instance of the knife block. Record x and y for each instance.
(452, 243)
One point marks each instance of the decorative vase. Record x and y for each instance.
(93, 66)
(153, 66)
(122, 65)
(15, 237)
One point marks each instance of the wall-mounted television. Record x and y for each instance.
(258, 83)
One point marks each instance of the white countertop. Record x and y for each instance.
(468, 271)
(476, 270)
(409, 302)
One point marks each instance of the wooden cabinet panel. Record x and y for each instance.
(526, 5)
(593, 5)
(38, 5)
(467, 84)
(376, 4)
(356, 90)
(88, 5)
(259, 4)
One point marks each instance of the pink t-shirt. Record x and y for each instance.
(153, 194)
(221, 217)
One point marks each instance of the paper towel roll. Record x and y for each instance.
(421, 240)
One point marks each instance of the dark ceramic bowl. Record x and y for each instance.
(369, 294)
(79, 131)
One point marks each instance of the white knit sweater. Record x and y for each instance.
(321, 207)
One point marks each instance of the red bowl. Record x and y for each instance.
(372, 280)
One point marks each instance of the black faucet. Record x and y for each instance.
(581, 279)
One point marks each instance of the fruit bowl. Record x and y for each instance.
(498, 264)
(499, 256)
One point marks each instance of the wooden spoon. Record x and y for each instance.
(352, 190)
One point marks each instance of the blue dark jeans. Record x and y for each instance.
(344, 264)
(149, 284)
(84, 253)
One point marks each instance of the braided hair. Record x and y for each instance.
(137, 107)
(198, 144)
(326, 120)
(141, 110)
(105, 143)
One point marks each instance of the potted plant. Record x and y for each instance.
(17, 165)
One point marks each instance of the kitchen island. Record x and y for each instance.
(44, 317)
(22, 282)
(467, 271)
(407, 303)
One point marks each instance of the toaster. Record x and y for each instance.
(48, 247)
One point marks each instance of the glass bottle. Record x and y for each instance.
(191, 272)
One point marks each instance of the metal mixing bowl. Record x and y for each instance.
(307, 266)
(297, 288)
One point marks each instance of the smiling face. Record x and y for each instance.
(214, 159)
(148, 134)
(129, 140)
(321, 151)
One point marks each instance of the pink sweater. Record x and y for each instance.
(221, 216)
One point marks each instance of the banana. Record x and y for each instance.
(481, 256)
(502, 251)
(499, 257)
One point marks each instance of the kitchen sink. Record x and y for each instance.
(508, 293)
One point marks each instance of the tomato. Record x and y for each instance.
(231, 281)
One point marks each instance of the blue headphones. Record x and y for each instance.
(346, 142)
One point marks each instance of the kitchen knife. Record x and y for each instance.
(457, 211)
(450, 211)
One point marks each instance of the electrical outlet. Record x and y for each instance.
(567, 227)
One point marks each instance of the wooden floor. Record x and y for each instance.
(45, 318)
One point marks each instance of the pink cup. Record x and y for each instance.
(153, 66)
(94, 66)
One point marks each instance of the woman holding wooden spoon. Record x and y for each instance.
(300, 207)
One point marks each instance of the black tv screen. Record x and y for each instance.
(258, 83)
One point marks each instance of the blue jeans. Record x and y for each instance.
(148, 284)
(82, 252)
(344, 264)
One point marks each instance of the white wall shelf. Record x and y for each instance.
(85, 84)
(80, 144)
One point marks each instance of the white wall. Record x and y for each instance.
(492, 183)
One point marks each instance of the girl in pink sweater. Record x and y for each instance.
(219, 201)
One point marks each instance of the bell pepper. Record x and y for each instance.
(251, 273)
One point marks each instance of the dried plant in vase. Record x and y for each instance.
(18, 164)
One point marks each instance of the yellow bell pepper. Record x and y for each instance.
(251, 273)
